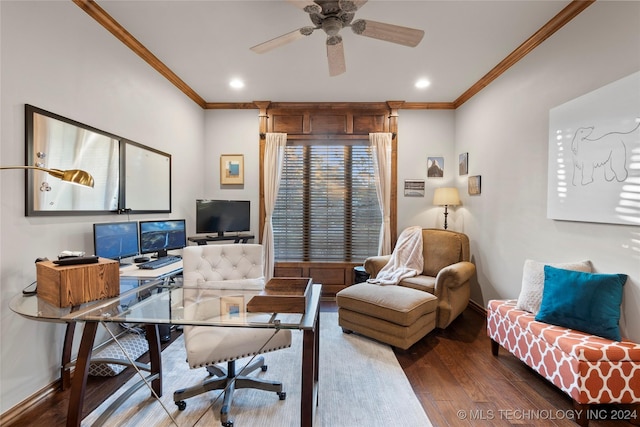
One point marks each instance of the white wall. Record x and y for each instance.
(423, 134)
(233, 132)
(56, 57)
(505, 130)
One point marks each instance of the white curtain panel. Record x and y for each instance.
(273, 160)
(381, 144)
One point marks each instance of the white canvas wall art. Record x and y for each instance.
(594, 156)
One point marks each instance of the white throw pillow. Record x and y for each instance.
(533, 281)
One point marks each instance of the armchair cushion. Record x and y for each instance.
(440, 249)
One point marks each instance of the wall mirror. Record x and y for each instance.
(127, 175)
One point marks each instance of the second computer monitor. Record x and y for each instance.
(161, 236)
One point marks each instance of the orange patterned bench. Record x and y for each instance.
(590, 369)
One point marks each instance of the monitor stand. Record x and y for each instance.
(160, 254)
(239, 238)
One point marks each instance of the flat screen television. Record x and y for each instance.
(162, 236)
(222, 216)
(115, 240)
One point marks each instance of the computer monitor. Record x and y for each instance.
(115, 240)
(162, 236)
(220, 216)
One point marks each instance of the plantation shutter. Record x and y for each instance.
(327, 207)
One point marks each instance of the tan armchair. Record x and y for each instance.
(446, 272)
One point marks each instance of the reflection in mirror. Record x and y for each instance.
(53, 141)
(61, 144)
(148, 177)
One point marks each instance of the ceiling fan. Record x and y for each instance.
(333, 15)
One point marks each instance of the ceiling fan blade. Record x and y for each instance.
(282, 40)
(388, 32)
(335, 56)
(306, 5)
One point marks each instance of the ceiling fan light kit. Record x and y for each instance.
(332, 16)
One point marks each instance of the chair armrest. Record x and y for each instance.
(452, 290)
(374, 264)
(455, 275)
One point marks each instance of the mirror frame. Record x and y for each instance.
(30, 159)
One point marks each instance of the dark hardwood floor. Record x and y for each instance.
(452, 371)
(460, 383)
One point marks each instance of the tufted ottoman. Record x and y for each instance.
(395, 315)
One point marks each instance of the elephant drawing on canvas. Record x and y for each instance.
(608, 151)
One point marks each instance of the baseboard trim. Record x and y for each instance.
(54, 387)
(29, 402)
(477, 308)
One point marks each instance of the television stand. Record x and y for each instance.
(203, 240)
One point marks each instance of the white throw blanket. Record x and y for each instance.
(406, 259)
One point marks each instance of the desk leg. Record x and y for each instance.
(310, 352)
(153, 338)
(65, 370)
(79, 381)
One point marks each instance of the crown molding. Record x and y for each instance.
(572, 10)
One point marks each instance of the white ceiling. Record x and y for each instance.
(206, 43)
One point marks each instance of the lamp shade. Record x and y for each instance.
(446, 196)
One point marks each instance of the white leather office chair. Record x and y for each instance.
(223, 269)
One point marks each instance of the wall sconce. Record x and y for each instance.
(446, 196)
(72, 176)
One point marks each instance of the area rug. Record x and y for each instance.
(361, 384)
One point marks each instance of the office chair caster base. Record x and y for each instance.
(282, 395)
(227, 423)
(181, 404)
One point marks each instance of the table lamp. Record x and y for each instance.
(446, 196)
(72, 176)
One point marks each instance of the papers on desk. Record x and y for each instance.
(134, 271)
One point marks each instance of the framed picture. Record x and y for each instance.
(232, 307)
(463, 164)
(232, 169)
(474, 185)
(414, 188)
(435, 167)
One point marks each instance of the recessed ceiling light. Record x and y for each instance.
(236, 83)
(423, 83)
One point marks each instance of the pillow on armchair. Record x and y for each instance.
(533, 281)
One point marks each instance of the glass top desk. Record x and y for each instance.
(160, 301)
(35, 308)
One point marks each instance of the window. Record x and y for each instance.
(327, 207)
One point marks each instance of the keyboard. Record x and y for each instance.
(158, 263)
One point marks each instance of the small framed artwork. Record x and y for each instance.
(463, 164)
(435, 167)
(232, 307)
(414, 188)
(232, 169)
(474, 185)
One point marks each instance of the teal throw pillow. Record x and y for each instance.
(587, 302)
